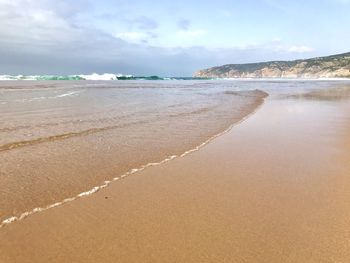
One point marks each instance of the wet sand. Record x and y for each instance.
(275, 188)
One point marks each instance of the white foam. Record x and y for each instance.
(67, 94)
(104, 76)
(91, 191)
(9, 220)
(71, 93)
(95, 76)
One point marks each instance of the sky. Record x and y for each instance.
(163, 37)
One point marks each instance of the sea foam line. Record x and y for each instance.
(130, 172)
(83, 194)
(67, 94)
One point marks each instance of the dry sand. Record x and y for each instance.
(273, 189)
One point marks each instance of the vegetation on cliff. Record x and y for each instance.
(335, 66)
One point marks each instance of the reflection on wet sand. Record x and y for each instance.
(332, 94)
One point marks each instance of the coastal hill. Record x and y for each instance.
(336, 66)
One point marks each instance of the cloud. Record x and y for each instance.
(145, 23)
(137, 37)
(191, 33)
(277, 45)
(184, 24)
(40, 22)
(133, 36)
(299, 49)
(37, 37)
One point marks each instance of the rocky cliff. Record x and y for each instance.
(336, 66)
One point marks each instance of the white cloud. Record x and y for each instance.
(299, 49)
(24, 22)
(277, 45)
(191, 33)
(133, 36)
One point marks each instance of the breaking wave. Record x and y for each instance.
(94, 76)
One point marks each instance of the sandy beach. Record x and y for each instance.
(274, 188)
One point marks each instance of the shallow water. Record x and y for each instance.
(59, 139)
